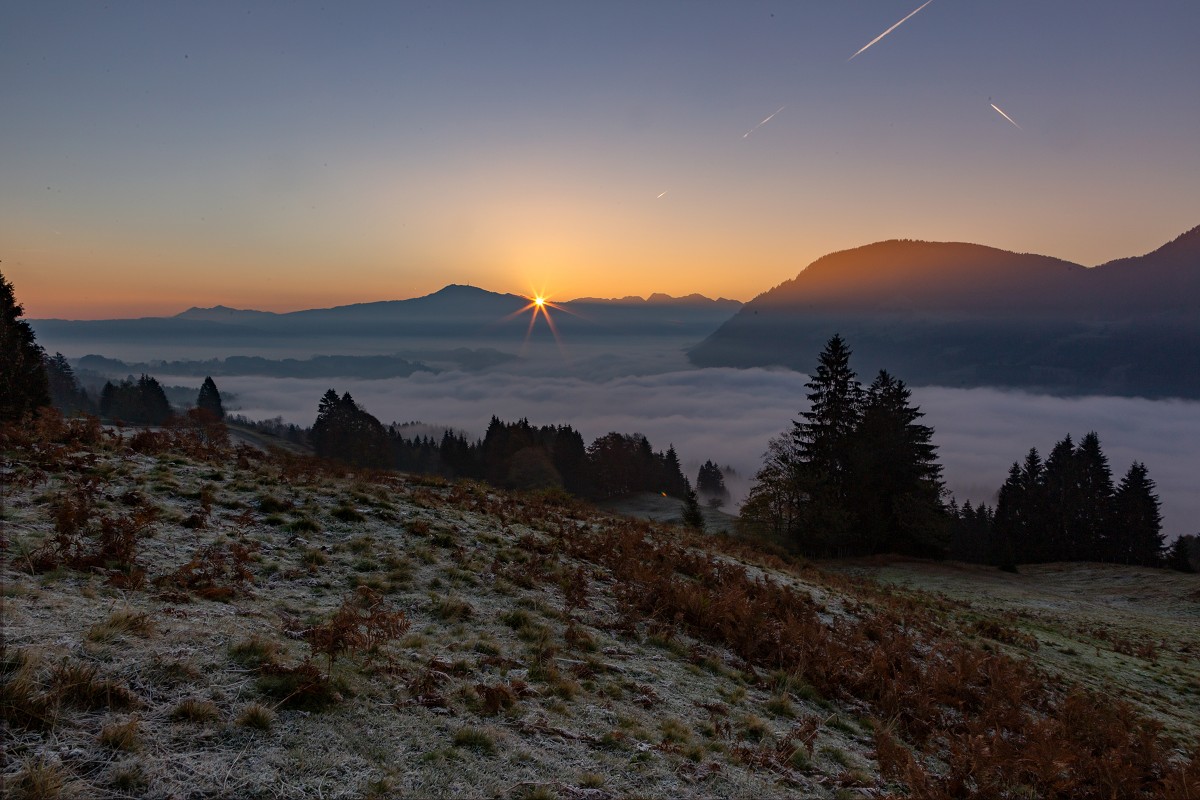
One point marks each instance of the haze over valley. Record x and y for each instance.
(976, 331)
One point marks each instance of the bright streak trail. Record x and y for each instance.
(746, 135)
(889, 30)
(1006, 116)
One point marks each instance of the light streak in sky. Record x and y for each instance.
(746, 135)
(1006, 116)
(889, 30)
(661, 196)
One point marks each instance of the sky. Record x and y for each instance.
(280, 156)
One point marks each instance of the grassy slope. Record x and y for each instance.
(1130, 631)
(595, 693)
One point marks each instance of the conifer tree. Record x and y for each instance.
(209, 399)
(710, 484)
(1093, 512)
(346, 432)
(896, 489)
(1137, 536)
(823, 443)
(23, 384)
(1059, 527)
(1180, 555)
(65, 392)
(693, 517)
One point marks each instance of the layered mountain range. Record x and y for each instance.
(960, 314)
(452, 315)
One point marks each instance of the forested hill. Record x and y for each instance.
(967, 315)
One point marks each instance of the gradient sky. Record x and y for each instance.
(155, 156)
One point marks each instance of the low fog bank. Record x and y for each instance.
(728, 415)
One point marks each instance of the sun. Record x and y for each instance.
(540, 304)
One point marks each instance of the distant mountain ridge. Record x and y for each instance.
(455, 315)
(962, 314)
(456, 292)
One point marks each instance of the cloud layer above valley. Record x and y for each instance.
(728, 415)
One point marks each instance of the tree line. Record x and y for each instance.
(857, 474)
(512, 455)
(1066, 508)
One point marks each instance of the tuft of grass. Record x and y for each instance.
(303, 525)
(302, 687)
(24, 704)
(193, 709)
(121, 735)
(254, 651)
(80, 685)
(800, 760)
(781, 706)
(313, 558)
(452, 609)
(38, 779)
(475, 739)
(119, 623)
(754, 728)
(347, 514)
(674, 730)
(591, 780)
(128, 778)
(273, 505)
(256, 716)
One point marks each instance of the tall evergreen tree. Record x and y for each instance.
(345, 432)
(896, 487)
(1181, 555)
(23, 384)
(693, 517)
(1093, 512)
(209, 399)
(65, 392)
(1060, 528)
(823, 443)
(1137, 536)
(710, 484)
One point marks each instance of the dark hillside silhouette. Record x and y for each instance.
(957, 314)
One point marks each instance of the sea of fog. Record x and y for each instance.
(728, 415)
